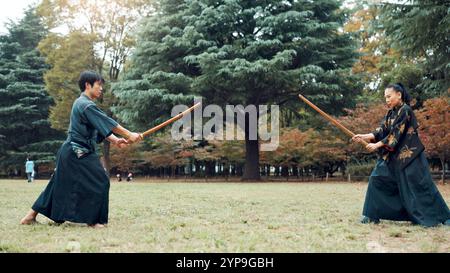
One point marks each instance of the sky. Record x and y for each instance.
(12, 9)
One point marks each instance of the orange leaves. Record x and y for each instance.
(434, 126)
(365, 118)
(298, 148)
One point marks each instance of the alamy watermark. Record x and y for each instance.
(229, 125)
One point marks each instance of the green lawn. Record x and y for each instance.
(218, 217)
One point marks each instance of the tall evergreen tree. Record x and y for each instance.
(420, 30)
(24, 107)
(239, 52)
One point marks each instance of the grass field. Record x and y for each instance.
(218, 217)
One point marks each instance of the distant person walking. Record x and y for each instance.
(29, 169)
(130, 177)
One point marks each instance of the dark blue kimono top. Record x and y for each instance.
(398, 133)
(88, 125)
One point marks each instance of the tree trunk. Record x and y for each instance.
(239, 171)
(295, 171)
(197, 168)
(277, 171)
(227, 169)
(443, 169)
(251, 169)
(211, 168)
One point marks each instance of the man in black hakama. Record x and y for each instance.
(78, 191)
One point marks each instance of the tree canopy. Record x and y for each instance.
(24, 128)
(238, 52)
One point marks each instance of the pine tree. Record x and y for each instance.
(239, 52)
(24, 128)
(420, 29)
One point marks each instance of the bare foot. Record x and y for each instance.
(97, 226)
(28, 220)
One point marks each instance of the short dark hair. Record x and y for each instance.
(406, 98)
(89, 77)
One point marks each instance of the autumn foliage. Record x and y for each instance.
(434, 128)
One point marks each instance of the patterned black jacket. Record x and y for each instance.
(398, 132)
